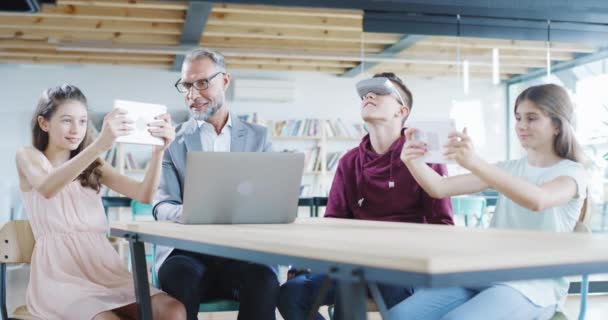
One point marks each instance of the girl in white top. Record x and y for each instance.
(544, 190)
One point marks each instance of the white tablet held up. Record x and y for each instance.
(142, 114)
(435, 134)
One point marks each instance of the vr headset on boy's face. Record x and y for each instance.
(381, 86)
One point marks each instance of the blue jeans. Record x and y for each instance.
(495, 302)
(298, 295)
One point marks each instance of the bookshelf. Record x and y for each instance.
(128, 159)
(323, 141)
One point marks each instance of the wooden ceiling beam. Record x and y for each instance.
(452, 52)
(25, 44)
(292, 45)
(28, 21)
(434, 74)
(289, 11)
(479, 43)
(140, 4)
(104, 13)
(275, 67)
(83, 55)
(446, 68)
(70, 60)
(283, 21)
(66, 35)
(290, 34)
(293, 62)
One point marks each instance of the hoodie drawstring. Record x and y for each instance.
(359, 177)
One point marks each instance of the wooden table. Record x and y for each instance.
(357, 253)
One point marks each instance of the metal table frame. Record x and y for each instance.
(352, 279)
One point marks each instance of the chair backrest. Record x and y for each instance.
(309, 203)
(583, 219)
(468, 205)
(491, 196)
(141, 209)
(16, 242)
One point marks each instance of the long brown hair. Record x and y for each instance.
(554, 101)
(49, 102)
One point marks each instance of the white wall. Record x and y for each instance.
(316, 96)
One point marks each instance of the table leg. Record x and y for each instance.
(353, 300)
(378, 299)
(140, 277)
(3, 275)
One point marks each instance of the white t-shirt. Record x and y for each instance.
(510, 215)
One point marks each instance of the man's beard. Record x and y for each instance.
(206, 114)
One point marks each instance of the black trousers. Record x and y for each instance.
(193, 278)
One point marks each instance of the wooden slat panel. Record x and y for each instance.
(25, 44)
(291, 34)
(85, 55)
(284, 21)
(144, 4)
(289, 11)
(503, 44)
(71, 60)
(446, 68)
(292, 62)
(88, 12)
(451, 53)
(434, 74)
(292, 45)
(114, 37)
(385, 38)
(275, 67)
(28, 21)
(529, 63)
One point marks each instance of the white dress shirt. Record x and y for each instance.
(213, 142)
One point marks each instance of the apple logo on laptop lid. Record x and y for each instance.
(244, 188)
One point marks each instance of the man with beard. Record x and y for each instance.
(190, 277)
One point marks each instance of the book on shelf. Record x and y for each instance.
(312, 161)
(308, 127)
(333, 158)
(131, 163)
(338, 129)
(297, 128)
(250, 117)
(110, 156)
(306, 190)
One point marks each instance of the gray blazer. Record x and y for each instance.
(245, 137)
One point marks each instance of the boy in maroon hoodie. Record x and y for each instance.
(372, 183)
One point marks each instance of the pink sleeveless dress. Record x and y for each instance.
(75, 271)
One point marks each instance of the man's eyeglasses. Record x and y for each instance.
(200, 84)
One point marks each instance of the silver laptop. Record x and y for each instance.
(241, 187)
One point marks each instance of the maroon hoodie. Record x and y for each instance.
(370, 186)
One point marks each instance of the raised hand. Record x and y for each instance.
(412, 150)
(460, 149)
(115, 124)
(162, 128)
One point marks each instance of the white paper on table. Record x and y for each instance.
(435, 134)
(141, 114)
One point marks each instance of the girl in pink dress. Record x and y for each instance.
(75, 272)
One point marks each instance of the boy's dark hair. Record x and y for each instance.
(409, 100)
